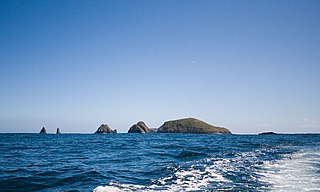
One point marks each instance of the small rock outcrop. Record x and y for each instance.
(58, 131)
(140, 127)
(43, 131)
(104, 128)
(267, 133)
(191, 125)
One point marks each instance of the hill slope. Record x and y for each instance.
(191, 125)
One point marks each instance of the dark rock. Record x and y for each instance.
(58, 131)
(191, 125)
(104, 128)
(153, 130)
(140, 127)
(43, 131)
(267, 133)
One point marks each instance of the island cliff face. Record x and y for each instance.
(104, 128)
(191, 125)
(140, 127)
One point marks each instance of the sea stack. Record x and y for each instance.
(191, 125)
(140, 127)
(43, 131)
(104, 128)
(58, 131)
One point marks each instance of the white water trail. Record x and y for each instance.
(296, 172)
(299, 171)
(182, 180)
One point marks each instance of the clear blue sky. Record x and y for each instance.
(250, 66)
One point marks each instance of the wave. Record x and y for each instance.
(258, 170)
(188, 154)
(183, 180)
(237, 173)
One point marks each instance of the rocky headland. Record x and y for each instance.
(104, 128)
(191, 125)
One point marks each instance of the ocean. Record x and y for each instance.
(159, 162)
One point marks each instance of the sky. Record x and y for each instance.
(249, 66)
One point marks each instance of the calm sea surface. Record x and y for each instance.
(159, 162)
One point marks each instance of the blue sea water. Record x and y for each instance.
(159, 162)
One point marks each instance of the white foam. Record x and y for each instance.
(194, 179)
(106, 188)
(116, 187)
(297, 172)
(182, 180)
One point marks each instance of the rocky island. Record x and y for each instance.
(191, 125)
(141, 127)
(267, 133)
(104, 128)
(43, 131)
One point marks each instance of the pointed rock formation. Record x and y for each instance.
(43, 131)
(58, 131)
(104, 128)
(191, 125)
(140, 127)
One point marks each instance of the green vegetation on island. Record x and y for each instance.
(191, 125)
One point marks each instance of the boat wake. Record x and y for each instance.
(237, 173)
(194, 178)
(280, 168)
(296, 172)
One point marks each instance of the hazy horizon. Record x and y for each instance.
(249, 66)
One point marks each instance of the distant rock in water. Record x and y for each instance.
(43, 131)
(140, 127)
(267, 133)
(104, 128)
(58, 131)
(191, 125)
